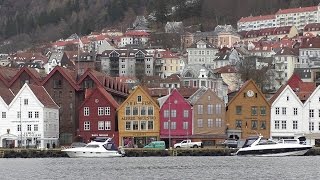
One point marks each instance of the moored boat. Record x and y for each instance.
(95, 149)
(257, 146)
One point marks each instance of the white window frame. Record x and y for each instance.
(100, 111)
(107, 125)
(100, 125)
(107, 111)
(86, 125)
(86, 111)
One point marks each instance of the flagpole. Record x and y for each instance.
(78, 55)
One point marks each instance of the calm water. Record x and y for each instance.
(163, 168)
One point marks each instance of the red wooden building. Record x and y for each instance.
(98, 116)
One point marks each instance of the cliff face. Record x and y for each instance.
(33, 22)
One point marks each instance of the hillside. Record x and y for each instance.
(33, 22)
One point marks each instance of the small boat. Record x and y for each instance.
(95, 149)
(257, 146)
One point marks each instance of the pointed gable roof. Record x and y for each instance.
(281, 91)
(6, 94)
(136, 89)
(31, 72)
(105, 94)
(244, 86)
(174, 91)
(68, 74)
(43, 96)
(7, 74)
(196, 96)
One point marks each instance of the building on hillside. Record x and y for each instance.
(174, 27)
(57, 59)
(139, 38)
(209, 122)
(33, 118)
(196, 76)
(138, 119)
(248, 113)
(285, 60)
(312, 28)
(127, 62)
(226, 56)
(256, 22)
(98, 116)
(202, 52)
(168, 63)
(175, 118)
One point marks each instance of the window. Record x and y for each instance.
(295, 111)
(276, 124)
(135, 125)
(210, 123)
(238, 110)
(30, 114)
(86, 126)
(238, 123)
(284, 111)
(263, 111)
(35, 127)
(150, 110)
(174, 113)
(57, 84)
(100, 111)
(100, 125)
(150, 125)
(36, 114)
(143, 125)
(166, 113)
(29, 127)
(173, 125)
(107, 125)
(139, 99)
(143, 111)
(311, 126)
(200, 123)
(277, 110)
(185, 113)
(19, 127)
(4, 114)
(128, 111)
(185, 125)
(200, 109)
(135, 111)
(263, 125)
(218, 122)
(19, 114)
(25, 101)
(218, 108)
(107, 111)
(254, 124)
(284, 124)
(295, 125)
(128, 125)
(210, 109)
(311, 113)
(166, 125)
(254, 111)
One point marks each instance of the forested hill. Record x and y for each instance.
(29, 22)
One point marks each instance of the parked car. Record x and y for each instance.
(231, 143)
(156, 145)
(188, 144)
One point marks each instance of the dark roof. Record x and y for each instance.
(6, 94)
(43, 96)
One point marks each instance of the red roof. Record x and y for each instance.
(104, 93)
(297, 10)
(168, 54)
(6, 94)
(257, 18)
(43, 96)
(136, 33)
(68, 74)
(226, 69)
(34, 74)
(7, 74)
(312, 27)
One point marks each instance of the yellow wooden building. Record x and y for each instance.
(248, 113)
(138, 119)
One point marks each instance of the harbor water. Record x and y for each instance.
(186, 167)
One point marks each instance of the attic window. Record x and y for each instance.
(139, 99)
(287, 98)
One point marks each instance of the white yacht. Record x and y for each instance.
(257, 146)
(95, 149)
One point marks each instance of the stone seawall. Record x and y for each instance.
(135, 152)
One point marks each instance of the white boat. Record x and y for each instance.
(257, 146)
(95, 149)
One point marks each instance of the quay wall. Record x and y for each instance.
(134, 152)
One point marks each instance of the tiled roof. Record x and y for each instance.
(69, 75)
(257, 18)
(7, 73)
(186, 92)
(310, 42)
(297, 10)
(168, 54)
(309, 27)
(28, 57)
(287, 51)
(226, 69)
(6, 94)
(43, 96)
(104, 93)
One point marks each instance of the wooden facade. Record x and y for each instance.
(138, 119)
(248, 113)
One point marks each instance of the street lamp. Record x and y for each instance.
(20, 124)
(169, 121)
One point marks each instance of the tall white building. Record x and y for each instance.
(298, 17)
(32, 117)
(202, 52)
